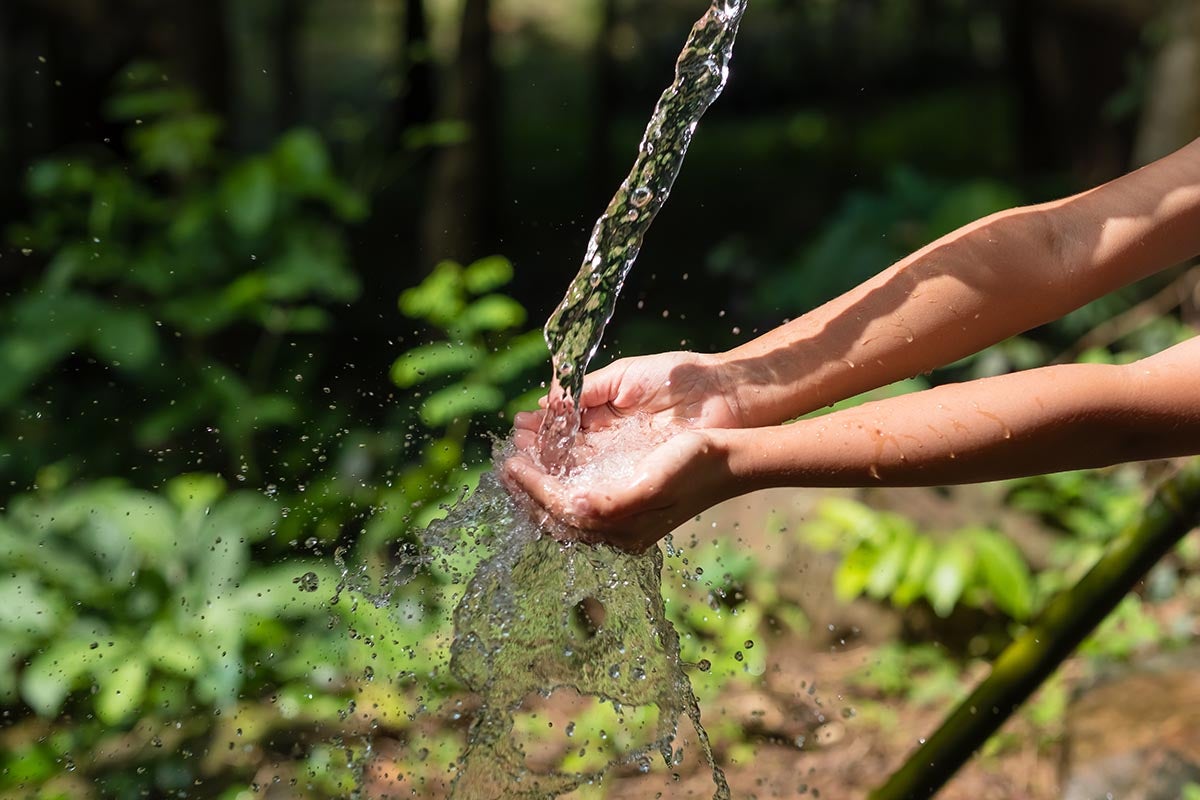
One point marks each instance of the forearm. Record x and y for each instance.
(1045, 420)
(990, 280)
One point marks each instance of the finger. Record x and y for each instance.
(598, 417)
(525, 440)
(545, 490)
(528, 420)
(601, 387)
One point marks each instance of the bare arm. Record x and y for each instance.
(990, 280)
(1045, 420)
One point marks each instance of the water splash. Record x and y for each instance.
(518, 634)
(574, 330)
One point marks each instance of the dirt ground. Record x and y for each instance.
(807, 728)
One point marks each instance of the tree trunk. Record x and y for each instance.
(201, 49)
(288, 27)
(1069, 59)
(417, 105)
(459, 223)
(1171, 116)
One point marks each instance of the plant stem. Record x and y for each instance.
(1065, 622)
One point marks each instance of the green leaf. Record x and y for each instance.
(29, 609)
(495, 312)
(147, 103)
(950, 575)
(121, 690)
(460, 401)
(177, 145)
(302, 159)
(194, 492)
(854, 573)
(519, 354)
(1005, 573)
(889, 566)
(488, 274)
(916, 571)
(125, 338)
(438, 298)
(249, 196)
(855, 519)
(434, 360)
(53, 674)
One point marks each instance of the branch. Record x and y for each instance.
(1063, 624)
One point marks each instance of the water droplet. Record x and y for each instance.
(641, 196)
(308, 582)
(704, 665)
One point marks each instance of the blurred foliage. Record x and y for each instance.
(144, 617)
(168, 270)
(885, 557)
(873, 229)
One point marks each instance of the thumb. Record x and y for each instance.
(598, 398)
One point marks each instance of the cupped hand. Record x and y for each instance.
(671, 483)
(692, 388)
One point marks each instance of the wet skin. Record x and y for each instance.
(990, 280)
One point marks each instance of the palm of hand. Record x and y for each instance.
(671, 388)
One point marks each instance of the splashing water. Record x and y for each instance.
(574, 330)
(518, 636)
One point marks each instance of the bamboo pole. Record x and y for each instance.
(1065, 622)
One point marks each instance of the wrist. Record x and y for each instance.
(743, 457)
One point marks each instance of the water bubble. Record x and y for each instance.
(641, 196)
(704, 665)
(308, 582)
(748, 644)
(738, 656)
(614, 671)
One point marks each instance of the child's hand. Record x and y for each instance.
(668, 387)
(672, 482)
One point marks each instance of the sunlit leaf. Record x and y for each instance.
(488, 274)
(854, 573)
(950, 575)
(434, 360)
(121, 690)
(438, 298)
(460, 401)
(1005, 573)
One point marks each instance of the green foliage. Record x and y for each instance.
(725, 603)
(1130, 629)
(124, 606)
(886, 558)
(474, 367)
(922, 674)
(143, 272)
(873, 230)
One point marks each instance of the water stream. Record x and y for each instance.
(574, 330)
(541, 620)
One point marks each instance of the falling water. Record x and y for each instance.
(518, 635)
(574, 330)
